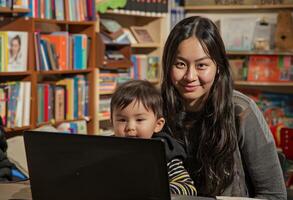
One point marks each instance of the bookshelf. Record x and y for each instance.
(17, 20)
(156, 24)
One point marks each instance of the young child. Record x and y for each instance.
(136, 111)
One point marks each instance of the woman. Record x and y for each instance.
(14, 52)
(231, 150)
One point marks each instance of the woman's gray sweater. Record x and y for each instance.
(258, 170)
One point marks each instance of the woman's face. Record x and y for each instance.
(193, 72)
(15, 47)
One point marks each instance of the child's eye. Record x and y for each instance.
(140, 119)
(121, 120)
(180, 65)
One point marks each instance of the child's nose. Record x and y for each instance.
(130, 130)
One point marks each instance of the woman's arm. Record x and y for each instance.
(259, 154)
(179, 179)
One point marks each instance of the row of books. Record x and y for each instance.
(263, 68)
(146, 6)
(109, 79)
(104, 106)
(145, 67)
(13, 51)
(73, 10)
(61, 51)
(15, 104)
(66, 99)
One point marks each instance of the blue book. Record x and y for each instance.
(77, 49)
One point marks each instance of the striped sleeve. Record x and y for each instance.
(179, 179)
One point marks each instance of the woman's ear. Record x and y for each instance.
(159, 124)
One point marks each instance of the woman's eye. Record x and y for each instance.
(180, 65)
(201, 66)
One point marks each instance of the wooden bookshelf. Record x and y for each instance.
(128, 19)
(13, 21)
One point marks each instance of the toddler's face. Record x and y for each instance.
(136, 121)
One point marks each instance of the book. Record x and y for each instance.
(286, 142)
(240, 39)
(111, 28)
(3, 103)
(60, 42)
(237, 68)
(21, 4)
(59, 102)
(268, 68)
(17, 51)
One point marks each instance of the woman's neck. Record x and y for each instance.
(194, 106)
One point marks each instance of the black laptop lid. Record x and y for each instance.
(66, 166)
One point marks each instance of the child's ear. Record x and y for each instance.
(159, 124)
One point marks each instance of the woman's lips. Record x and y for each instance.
(190, 88)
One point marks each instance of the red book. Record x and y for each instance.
(286, 142)
(46, 102)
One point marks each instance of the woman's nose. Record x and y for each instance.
(191, 74)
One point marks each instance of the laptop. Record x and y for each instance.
(69, 166)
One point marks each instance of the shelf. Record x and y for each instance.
(106, 93)
(103, 118)
(146, 45)
(117, 64)
(272, 52)
(237, 7)
(66, 22)
(268, 84)
(56, 123)
(14, 11)
(84, 71)
(135, 13)
(16, 129)
(25, 73)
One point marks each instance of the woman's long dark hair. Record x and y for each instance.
(215, 129)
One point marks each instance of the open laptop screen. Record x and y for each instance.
(67, 166)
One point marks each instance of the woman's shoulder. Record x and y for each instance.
(243, 103)
(250, 116)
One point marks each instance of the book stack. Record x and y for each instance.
(145, 67)
(61, 51)
(65, 100)
(73, 10)
(15, 104)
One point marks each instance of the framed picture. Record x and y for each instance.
(141, 34)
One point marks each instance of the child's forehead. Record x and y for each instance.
(134, 104)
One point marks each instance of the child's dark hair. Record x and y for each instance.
(141, 91)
